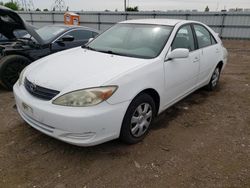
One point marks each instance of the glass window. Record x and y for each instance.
(80, 34)
(203, 36)
(133, 40)
(184, 39)
(49, 33)
(94, 34)
(20, 33)
(213, 40)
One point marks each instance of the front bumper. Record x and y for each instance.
(83, 126)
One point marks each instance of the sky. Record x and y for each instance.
(100, 5)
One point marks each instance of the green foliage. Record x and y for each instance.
(207, 9)
(45, 10)
(132, 9)
(12, 5)
(1, 3)
(38, 9)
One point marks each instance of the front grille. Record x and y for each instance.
(38, 91)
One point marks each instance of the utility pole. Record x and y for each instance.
(125, 5)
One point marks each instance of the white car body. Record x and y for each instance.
(79, 68)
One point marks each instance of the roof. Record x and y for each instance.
(72, 27)
(169, 22)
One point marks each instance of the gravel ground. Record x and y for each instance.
(203, 141)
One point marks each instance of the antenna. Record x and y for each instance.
(59, 5)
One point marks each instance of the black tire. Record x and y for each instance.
(214, 79)
(144, 122)
(10, 69)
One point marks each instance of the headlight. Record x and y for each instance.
(85, 97)
(20, 80)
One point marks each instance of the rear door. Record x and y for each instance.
(209, 50)
(181, 74)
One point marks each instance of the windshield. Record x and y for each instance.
(133, 40)
(48, 33)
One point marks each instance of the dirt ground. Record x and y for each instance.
(203, 141)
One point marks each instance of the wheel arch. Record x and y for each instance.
(155, 96)
(220, 65)
(18, 54)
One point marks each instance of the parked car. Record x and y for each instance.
(16, 53)
(116, 86)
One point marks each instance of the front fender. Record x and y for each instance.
(150, 76)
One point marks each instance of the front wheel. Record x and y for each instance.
(10, 69)
(214, 79)
(138, 119)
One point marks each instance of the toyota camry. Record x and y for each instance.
(116, 85)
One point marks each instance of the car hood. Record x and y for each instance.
(79, 68)
(10, 21)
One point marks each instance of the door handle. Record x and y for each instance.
(196, 59)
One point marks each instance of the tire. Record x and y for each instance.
(10, 69)
(138, 119)
(214, 79)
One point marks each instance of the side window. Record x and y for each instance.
(80, 34)
(184, 39)
(204, 37)
(94, 34)
(213, 40)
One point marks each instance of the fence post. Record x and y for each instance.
(99, 21)
(31, 18)
(222, 25)
(53, 17)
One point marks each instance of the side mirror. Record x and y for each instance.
(90, 39)
(178, 53)
(67, 38)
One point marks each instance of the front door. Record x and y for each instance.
(181, 74)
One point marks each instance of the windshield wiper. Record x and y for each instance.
(89, 48)
(111, 52)
(104, 51)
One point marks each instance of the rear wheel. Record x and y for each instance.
(10, 69)
(214, 79)
(138, 119)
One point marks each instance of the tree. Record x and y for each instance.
(132, 9)
(38, 10)
(207, 9)
(45, 10)
(1, 3)
(12, 5)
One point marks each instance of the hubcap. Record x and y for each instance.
(141, 119)
(215, 77)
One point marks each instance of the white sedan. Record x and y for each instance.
(115, 85)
